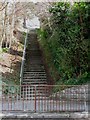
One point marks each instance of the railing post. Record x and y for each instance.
(85, 100)
(1, 92)
(35, 97)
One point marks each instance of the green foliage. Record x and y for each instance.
(24, 33)
(11, 89)
(68, 41)
(5, 49)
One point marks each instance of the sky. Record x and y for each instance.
(33, 23)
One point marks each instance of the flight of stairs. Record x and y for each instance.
(34, 70)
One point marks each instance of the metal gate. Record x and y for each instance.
(43, 98)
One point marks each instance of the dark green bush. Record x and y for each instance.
(68, 41)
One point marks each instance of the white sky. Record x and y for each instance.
(33, 23)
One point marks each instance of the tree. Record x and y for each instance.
(11, 15)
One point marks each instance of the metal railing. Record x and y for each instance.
(44, 98)
(23, 58)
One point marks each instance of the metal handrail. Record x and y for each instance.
(23, 59)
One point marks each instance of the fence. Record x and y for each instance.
(43, 98)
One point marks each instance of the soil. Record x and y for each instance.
(10, 63)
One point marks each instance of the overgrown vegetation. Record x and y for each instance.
(65, 40)
(10, 62)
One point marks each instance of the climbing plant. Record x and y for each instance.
(67, 41)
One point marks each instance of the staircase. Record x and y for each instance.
(34, 70)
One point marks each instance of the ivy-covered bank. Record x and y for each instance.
(64, 38)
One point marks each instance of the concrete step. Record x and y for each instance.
(30, 60)
(33, 52)
(33, 56)
(33, 65)
(35, 77)
(34, 83)
(33, 70)
(39, 66)
(30, 80)
(36, 72)
(33, 80)
(33, 44)
(28, 50)
(34, 62)
(33, 49)
(39, 58)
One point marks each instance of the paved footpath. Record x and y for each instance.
(45, 116)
